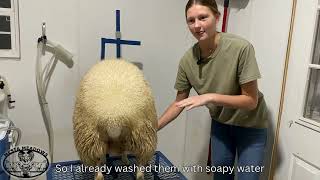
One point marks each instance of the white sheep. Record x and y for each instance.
(115, 113)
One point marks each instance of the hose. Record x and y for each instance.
(41, 90)
(43, 78)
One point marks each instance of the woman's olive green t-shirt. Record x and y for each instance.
(232, 64)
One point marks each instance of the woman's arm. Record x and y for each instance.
(247, 100)
(173, 110)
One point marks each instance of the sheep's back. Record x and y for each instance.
(114, 86)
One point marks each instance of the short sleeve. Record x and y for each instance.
(182, 82)
(248, 69)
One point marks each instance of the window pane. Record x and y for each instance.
(5, 41)
(312, 108)
(316, 51)
(5, 23)
(5, 3)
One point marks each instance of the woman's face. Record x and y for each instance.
(201, 22)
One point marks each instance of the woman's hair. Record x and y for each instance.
(211, 4)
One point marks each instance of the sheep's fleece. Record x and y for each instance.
(114, 112)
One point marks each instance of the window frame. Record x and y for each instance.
(13, 12)
(311, 66)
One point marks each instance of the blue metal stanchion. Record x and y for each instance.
(117, 41)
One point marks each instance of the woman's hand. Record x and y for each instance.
(196, 101)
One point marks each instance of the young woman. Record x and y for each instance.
(222, 69)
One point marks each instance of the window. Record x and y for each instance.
(312, 106)
(9, 29)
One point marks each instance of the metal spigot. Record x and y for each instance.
(10, 102)
(1, 84)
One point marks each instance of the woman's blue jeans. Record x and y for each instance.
(248, 143)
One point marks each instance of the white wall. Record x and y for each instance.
(160, 26)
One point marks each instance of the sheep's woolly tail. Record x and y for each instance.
(114, 132)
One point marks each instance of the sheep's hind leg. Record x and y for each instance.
(139, 174)
(124, 159)
(99, 175)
